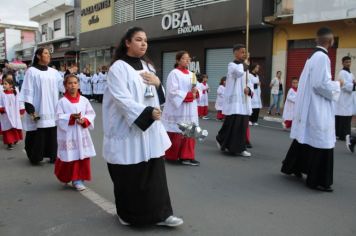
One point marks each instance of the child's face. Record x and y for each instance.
(224, 83)
(240, 54)
(205, 79)
(295, 83)
(72, 85)
(6, 85)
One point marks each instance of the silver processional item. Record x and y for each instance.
(191, 130)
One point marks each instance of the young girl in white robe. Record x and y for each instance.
(288, 111)
(256, 101)
(220, 99)
(75, 116)
(11, 110)
(203, 101)
(181, 106)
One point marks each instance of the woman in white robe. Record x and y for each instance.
(256, 102)
(40, 92)
(134, 137)
(75, 116)
(181, 106)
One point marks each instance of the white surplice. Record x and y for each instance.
(102, 83)
(344, 106)
(220, 98)
(175, 109)
(314, 119)
(124, 101)
(236, 102)
(74, 141)
(256, 98)
(288, 110)
(11, 118)
(203, 97)
(41, 89)
(94, 81)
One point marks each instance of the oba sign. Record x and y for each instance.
(181, 22)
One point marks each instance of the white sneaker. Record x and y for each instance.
(245, 154)
(205, 118)
(249, 123)
(78, 185)
(255, 124)
(122, 221)
(171, 221)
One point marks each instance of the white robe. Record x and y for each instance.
(124, 101)
(256, 98)
(344, 106)
(220, 98)
(314, 119)
(175, 109)
(94, 81)
(85, 85)
(236, 102)
(102, 83)
(203, 100)
(11, 118)
(74, 141)
(288, 111)
(41, 89)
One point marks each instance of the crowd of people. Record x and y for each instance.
(139, 112)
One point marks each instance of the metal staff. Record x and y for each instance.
(247, 31)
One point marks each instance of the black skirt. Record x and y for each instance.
(232, 135)
(41, 143)
(316, 163)
(254, 115)
(141, 192)
(342, 126)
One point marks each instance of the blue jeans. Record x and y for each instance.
(276, 101)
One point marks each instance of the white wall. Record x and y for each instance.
(12, 37)
(50, 21)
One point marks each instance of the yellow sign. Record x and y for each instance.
(96, 14)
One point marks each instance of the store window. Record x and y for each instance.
(44, 28)
(57, 24)
(70, 24)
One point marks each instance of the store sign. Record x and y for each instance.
(181, 22)
(194, 66)
(94, 19)
(95, 8)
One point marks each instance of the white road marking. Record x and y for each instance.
(101, 202)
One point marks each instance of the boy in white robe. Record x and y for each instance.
(345, 105)
(237, 106)
(313, 129)
(10, 110)
(75, 116)
(288, 111)
(219, 103)
(256, 102)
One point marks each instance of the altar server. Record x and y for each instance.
(134, 137)
(75, 116)
(345, 105)
(219, 103)
(237, 106)
(256, 101)
(11, 110)
(203, 101)
(288, 111)
(181, 106)
(313, 129)
(40, 91)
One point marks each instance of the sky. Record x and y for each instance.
(16, 10)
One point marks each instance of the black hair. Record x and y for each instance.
(294, 78)
(70, 76)
(346, 58)
(323, 31)
(179, 55)
(222, 80)
(121, 49)
(238, 47)
(38, 52)
(253, 66)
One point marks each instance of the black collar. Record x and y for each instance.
(347, 69)
(41, 67)
(238, 62)
(318, 49)
(135, 62)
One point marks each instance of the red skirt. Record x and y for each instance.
(202, 111)
(74, 170)
(182, 147)
(220, 115)
(12, 136)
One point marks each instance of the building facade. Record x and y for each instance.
(58, 29)
(296, 23)
(207, 29)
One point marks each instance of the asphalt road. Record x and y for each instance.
(225, 195)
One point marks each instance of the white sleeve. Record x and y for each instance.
(27, 90)
(173, 90)
(89, 113)
(62, 118)
(348, 86)
(292, 96)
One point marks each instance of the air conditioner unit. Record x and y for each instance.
(49, 34)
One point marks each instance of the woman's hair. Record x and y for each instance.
(201, 77)
(222, 80)
(10, 80)
(278, 71)
(179, 55)
(121, 49)
(253, 66)
(69, 76)
(38, 52)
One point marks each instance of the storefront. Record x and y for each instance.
(202, 32)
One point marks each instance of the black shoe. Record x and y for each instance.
(278, 114)
(190, 162)
(52, 160)
(248, 146)
(269, 113)
(10, 147)
(349, 145)
(298, 175)
(323, 189)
